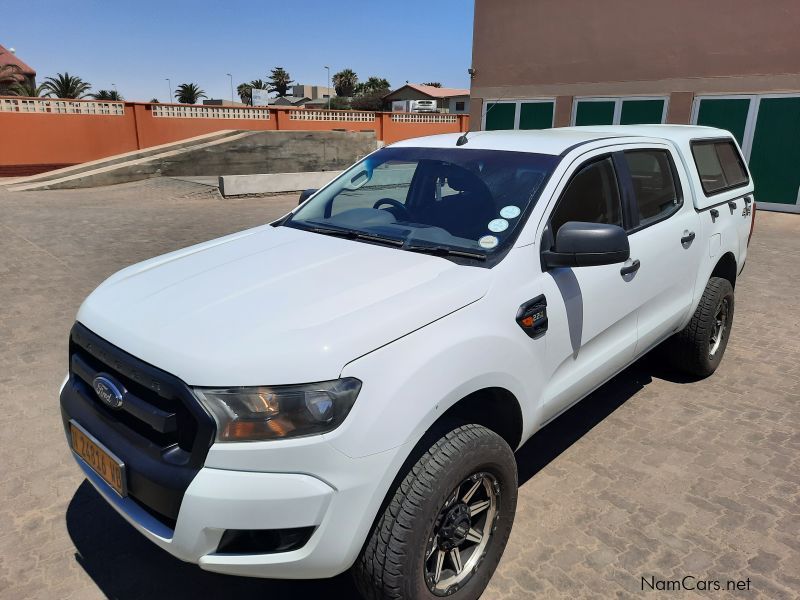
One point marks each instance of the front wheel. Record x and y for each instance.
(445, 528)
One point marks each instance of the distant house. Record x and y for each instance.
(288, 101)
(310, 96)
(312, 92)
(21, 73)
(452, 100)
(318, 103)
(220, 102)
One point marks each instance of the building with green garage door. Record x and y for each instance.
(518, 114)
(634, 110)
(767, 127)
(537, 65)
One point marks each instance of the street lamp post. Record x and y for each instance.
(169, 87)
(231, 78)
(329, 86)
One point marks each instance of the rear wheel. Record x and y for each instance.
(699, 347)
(447, 524)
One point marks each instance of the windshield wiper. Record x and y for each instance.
(443, 250)
(353, 234)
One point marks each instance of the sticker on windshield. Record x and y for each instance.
(488, 242)
(510, 212)
(498, 225)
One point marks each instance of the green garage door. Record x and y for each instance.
(536, 115)
(590, 112)
(775, 156)
(500, 115)
(640, 112)
(725, 113)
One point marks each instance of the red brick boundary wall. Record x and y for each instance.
(41, 134)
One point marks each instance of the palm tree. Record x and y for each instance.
(279, 80)
(27, 89)
(369, 95)
(435, 84)
(344, 82)
(154, 101)
(64, 85)
(245, 90)
(189, 93)
(373, 85)
(107, 95)
(245, 93)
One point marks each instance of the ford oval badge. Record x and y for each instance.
(108, 391)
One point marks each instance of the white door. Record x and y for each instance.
(591, 311)
(663, 236)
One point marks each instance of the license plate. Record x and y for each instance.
(99, 458)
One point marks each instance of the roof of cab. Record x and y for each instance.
(560, 139)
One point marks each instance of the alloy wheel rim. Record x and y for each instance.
(461, 533)
(718, 330)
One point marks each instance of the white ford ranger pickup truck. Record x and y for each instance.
(344, 388)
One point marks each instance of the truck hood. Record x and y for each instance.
(274, 305)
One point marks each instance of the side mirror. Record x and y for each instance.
(581, 244)
(305, 195)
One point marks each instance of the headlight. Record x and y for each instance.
(267, 413)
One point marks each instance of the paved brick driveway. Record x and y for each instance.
(650, 476)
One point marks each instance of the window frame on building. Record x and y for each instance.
(518, 102)
(750, 121)
(618, 101)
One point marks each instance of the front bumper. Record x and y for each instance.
(192, 497)
(340, 506)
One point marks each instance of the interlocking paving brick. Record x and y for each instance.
(649, 476)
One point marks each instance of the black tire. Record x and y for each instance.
(393, 562)
(690, 350)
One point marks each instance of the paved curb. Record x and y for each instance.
(270, 183)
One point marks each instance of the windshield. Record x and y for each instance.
(442, 200)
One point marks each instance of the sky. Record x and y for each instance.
(137, 45)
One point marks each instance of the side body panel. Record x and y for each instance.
(592, 315)
(666, 280)
(725, 221)
(411, 382)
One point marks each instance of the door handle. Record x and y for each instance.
(687, 238)
(631, 268)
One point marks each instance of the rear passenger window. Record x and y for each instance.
(592, 197)
(719, 165)
(654, 183)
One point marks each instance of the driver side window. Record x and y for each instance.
(390, 180)
(592, 196)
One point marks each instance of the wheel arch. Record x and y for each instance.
(504, 417)
(726, 268)
(495, 408)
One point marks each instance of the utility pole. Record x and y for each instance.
(231, 78)
(329, 87)
(169, 87)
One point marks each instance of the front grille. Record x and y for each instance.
(161, 432)
(160, 417)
